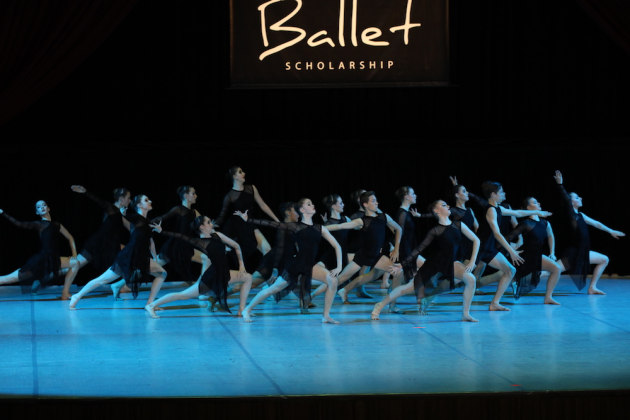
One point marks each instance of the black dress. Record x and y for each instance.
(373, 235)
(408, 239)
(466, 217)
(442, 242)
(236, 228)
(534, 235)
(46, 263)
(488, 248)
(355, 236)
(133, 262)
(217, 276)
(575, 254)
(101, 248)
(283, 249)
(328, 255)
(178, 252)
(298, 270)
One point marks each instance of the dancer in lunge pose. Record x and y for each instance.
(536, 233)
(299, 269)
(371, 258)
(101, 248)
(490, 234)
(136, 261)
(216, 273)
(441, 270)
(179, 254)
(242, 197)
(40, 269)
(577, 255)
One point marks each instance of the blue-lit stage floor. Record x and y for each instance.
(113, 349)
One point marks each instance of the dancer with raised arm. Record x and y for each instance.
(490, 234)
(441, 270)
(242, 197)
(101, 248)
(536, 233)
(41, 268)
(298, 271)
(577, 255)
(136, 261)
(216, 273)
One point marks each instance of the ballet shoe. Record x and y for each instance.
(343, 295)
(35, 287)
(378, 307)
(515, 290)
(361, 293)
(116, 291)
(149, 308)
(73, 303)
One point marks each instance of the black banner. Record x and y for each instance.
(339, 42)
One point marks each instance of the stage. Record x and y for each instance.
(113, 350)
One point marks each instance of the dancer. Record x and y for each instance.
(40, 269)
(101, 248)
(216, 273)
(460, 212)
(175, 252)
(136, 261)
(242, 198)
(577, 255)
(371, 258)
(535, 233)
(354, 240)
(299, 269)
(441, 271)
(489, 234)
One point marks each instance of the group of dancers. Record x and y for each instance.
(313, 253)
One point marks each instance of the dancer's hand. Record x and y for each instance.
(78, 189)
(241, 214)
(516, 259)
(335, 272)
(615, 233)
(553, 257)
(394, 269)
(157, 227)
(470, 267)
(558, 177)
(453, 180)
(414, 212)
(544, 213)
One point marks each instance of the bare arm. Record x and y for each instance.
(599, 225)
(333, 242)
(353, 224)
(475, 249)
(551, 241)
(491, 218)
(236, 247)
(524, 213)
(68, 236)
(398, 232)
(263, 206)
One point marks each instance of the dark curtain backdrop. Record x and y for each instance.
(137, 94)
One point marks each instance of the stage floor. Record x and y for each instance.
(114, 349)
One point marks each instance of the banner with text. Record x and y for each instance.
(313, 42)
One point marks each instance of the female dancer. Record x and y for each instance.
(43, 267)
(242, 198)
(136, 260)
(577, 256)
(442, 266)
(489, 234)
(102, 247)
(371, 259)
(216, 272)
(299, 269)
(175, 251)
(354, 240)
(535, 232)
